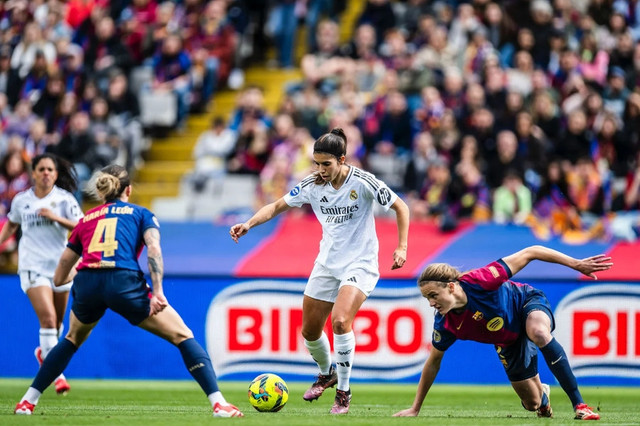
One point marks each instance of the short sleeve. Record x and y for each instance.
(72, 209)
(149, 220)
(299, 195)
(441, 338)
(14, 215)
(379, 191)
(74, 243)
(490, 277)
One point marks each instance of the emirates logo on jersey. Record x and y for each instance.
(353, 195)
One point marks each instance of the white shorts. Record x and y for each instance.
(322, 285)
(30, 279)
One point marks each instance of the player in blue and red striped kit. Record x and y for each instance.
(485, 306)
(110, 238)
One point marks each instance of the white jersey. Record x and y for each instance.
(349, 237)
(43, 240)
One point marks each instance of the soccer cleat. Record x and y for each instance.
(62, 387)
(226, 410)
(24, 408)
(341, 403)
(584, 412)
(38, 354)
(323, 382)
(545, 411)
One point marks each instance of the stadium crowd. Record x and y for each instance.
(523, 111)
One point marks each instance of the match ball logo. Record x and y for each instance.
(495, 324)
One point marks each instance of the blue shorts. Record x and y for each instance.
(122, 290)
(520, 359)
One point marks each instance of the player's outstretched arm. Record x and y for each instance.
(8, 230)
(429, 373)
(587, 266)
(263, 215)
(402, 221)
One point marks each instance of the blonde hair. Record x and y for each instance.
(110, 182)
(440, 273)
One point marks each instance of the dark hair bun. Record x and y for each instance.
(339, 132)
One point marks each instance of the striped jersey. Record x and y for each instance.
(493, 313)
(43, 240)
(111, 236)
(346, 214)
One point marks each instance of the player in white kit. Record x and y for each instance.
(346, 269)
(45, 212)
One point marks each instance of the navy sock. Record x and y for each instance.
(199, 365)
(558, 363)
(54, 364)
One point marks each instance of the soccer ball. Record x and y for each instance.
(268, 392)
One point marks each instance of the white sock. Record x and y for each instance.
(48, 339)
(216, 397)
(32, 396)
(320, 351)
(344, 346)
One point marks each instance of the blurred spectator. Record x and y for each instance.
(512, 201)
(212, 49)
(32, 46)
(616, 93)
(325, 67)
(469, 195)
(38, 140)
(109, 148)
(250, 102)
(125, 117)
(9, 79)
(106, 52)
(14, 178)
(252, 149)
(424, 152)
(78, 147)
(282, 25)
(171, 74)
(506, 158)
(21, 120)
(211, 151)
(35, 81)
(380, 15)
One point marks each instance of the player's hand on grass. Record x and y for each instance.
(399, 257)
(409, 412)
(157, 304)
(238, 230)
(593, 264)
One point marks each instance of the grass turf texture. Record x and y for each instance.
(97, 402)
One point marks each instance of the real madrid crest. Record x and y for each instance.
(353, 195)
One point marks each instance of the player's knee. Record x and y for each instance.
(539, 335)
(531, 404)
(48, 320)
(340, 324)
(181, 335)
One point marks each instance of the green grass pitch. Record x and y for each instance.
(98, 402)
